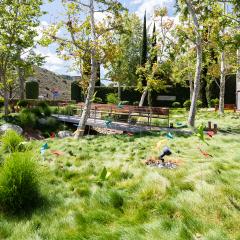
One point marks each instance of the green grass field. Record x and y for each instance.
(200, 199)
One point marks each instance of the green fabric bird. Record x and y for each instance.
(200, 133)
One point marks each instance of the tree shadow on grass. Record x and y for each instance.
(40, 205)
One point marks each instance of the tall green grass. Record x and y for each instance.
(197, 200)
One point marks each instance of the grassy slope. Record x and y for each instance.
(200, 199)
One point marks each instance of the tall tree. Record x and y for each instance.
(86, 35)
(18, 22)
(122, 67)
(222, 70)
(198, 44)
(144, 59)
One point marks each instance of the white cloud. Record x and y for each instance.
(150, 5)
(54, 63)
(136, 2)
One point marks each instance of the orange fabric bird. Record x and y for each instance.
(57, 152)
(205, 154)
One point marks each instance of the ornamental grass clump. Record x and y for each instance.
(11, 141)
(19, 183)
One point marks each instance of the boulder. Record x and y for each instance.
(64, 134)
(7, 126)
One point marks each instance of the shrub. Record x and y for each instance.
(199, 104)
(37, 112)
(11, 141)
(27, 118)
(32, 90)
(112, 98)
(187, 104)
(22, 103)
(1, 101)
(214, 102)
(19, 183)
(97, 100)
(44, 109)
(52, 123)
(176, 104)
(68, 110)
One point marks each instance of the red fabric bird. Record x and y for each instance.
(205, 154)
(210, 133)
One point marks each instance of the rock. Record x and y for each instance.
(7, 126)
(42, 121)
(64, 134)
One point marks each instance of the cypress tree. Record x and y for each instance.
(144, 46)
(154, 44)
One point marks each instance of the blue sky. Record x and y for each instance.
(55, 12)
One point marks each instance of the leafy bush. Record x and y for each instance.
(44, 108)
(97, 100)
(1, 101)
(37, 112)
(68, 110)
(112, 98)
(214, 102)
(22, 103)
(52, 123)
(176, 104)
(199, 104)
(11, 141)
(187, 104)
(19, 183)
(27, 118)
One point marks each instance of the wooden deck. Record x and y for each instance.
(119, 126)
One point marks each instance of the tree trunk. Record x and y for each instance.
(91, 87)
(149, 98)
(144, 94)
(238, 79)
(192, 112)
(191, 86)
(222, 85)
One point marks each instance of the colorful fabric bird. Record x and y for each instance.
(119, 105)
(57, 152)
(210, 133)
(205, 154)
(200, 134)
(108, 122)
(169, 135)
(52, 135)
(43, 148)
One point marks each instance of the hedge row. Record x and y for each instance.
(32, 90)
(182, 93)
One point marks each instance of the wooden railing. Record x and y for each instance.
(128, 113)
